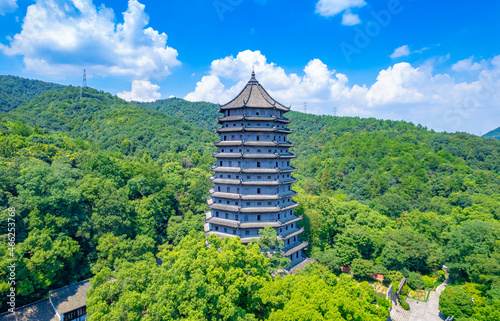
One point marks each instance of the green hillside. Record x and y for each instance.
(100, 187)
(495, 133)
(14, 91)
(202, 114)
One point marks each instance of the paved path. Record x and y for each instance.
(421, 311)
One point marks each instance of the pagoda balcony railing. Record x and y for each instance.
(294, 247)
(290, 233)
(241, 182)
(225, 169)
(244, 127)
(222, 143)
(248, 155)
(251, 197)
(252, 117)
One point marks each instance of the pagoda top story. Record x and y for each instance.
(254, 96)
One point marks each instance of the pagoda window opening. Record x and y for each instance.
(220, 201)
(232, 137)
(222, 150)
(218, 188)
(225, 230)
(225, 137)
(258, 164)
(246, 217)
(228, 202)
(234, 232)
(297, 254)
(258, 190)
(226, 216)
(258, 137)
(238, 190)
(279, 218)
(230, 164)
(259, 203)
(229, 113)
(236, 216)
(228, 189)
(216, 228)
(247, 232)
(258, 217)
(235, 203)
(220, 163)
(216, 214)
(234, 125)
(291, 225)
(230, 150)
(248, 203)
(257, 113)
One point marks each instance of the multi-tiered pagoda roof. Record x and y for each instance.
(252, 180)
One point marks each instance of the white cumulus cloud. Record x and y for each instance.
(401, 91)
(469, 65)
(62, 36)
(350, 19)
(402, 51)
(142, 90)
(330, 8)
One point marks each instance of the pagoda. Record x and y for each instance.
(252, 180)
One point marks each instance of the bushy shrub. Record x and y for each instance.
(383, 302)
(428, 282)
(405, 290)
(415, 281)
(405, 305)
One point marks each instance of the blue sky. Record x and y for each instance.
(436, 63)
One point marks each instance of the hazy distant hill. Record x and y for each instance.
(15, 91)
(495, 133)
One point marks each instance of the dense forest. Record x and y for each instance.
(15, 91)
(102, 188)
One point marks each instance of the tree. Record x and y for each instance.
(362, 268)
(415, 281)
(268, 241)
(455, 301)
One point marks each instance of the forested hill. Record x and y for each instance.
(101, 187)
(110, 122)
(495, 133)
(15, 91)
(202, 114)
